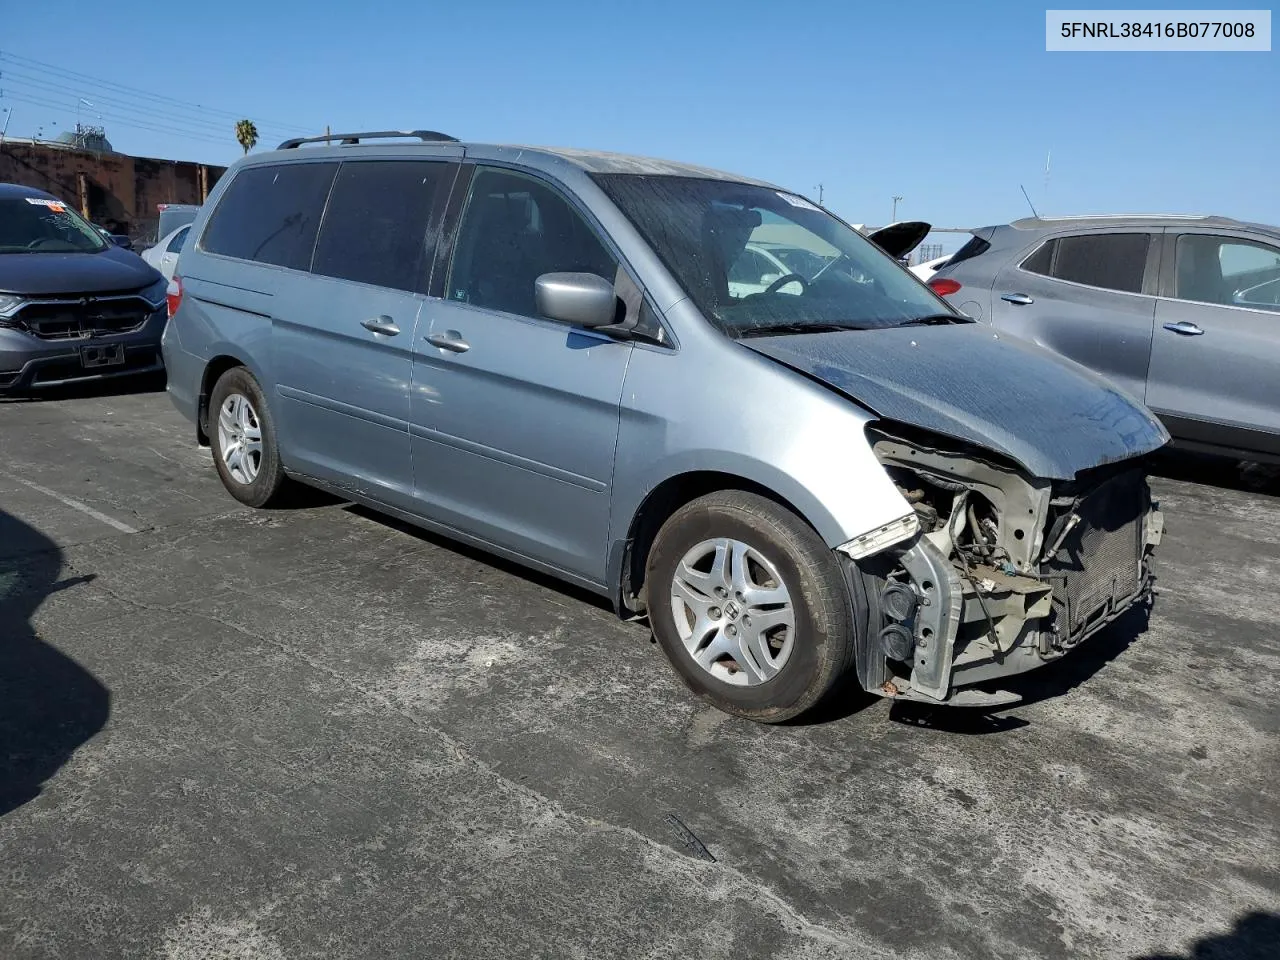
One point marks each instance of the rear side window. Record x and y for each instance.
(271, 214)
(1111, 261)
(179, 238)
(1041, 261)
(379, 226)
(974, 248)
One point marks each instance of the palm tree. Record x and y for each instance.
(247, 134)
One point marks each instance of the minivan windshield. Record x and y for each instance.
(758, 261)
(41, 225)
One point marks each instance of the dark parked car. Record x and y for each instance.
(119, 239)
(1182, 312)
(73, 305)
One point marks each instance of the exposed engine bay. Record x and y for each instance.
(1005, 571)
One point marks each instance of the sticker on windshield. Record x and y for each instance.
(57, 206)
(797, 201)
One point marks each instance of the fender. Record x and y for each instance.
(796, 439)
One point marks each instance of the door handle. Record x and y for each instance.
(382, 324)
(1184, 327)
(1021, 299)
(449, 340)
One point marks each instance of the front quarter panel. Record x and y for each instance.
(715, 406)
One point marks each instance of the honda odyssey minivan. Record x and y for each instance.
(539, 351)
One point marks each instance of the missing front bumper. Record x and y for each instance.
(972, 625)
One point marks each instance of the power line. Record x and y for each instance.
(136, 92)
(126, 123)
(48, 88)
(30, 63)
(52, 99)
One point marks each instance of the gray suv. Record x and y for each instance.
(538, 351)
(1182, 312)
(73, 305)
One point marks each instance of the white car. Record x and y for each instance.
(756, 268)
(164, 255)
(774, 252)
(927, 269)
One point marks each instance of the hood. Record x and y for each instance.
(1050, 415)
(45, 274)
(899, 239)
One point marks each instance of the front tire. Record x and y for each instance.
(243, 437)
(749, 606)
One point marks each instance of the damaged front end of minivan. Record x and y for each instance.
(995, 572)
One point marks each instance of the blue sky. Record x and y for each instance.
(949, 106)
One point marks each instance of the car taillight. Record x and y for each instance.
(173, 295)
(944, 286)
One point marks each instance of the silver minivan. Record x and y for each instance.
(538, 351)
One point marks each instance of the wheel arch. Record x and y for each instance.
(219, 364)
(629, 554)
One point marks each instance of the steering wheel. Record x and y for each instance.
(783, 280)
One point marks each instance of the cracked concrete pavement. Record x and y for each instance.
(318, 733)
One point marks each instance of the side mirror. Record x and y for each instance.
(582, 299)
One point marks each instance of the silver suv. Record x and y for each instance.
(539, 351)
(1179, 311)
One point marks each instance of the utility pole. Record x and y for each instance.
(819, 194)
(326, 136)
(894, 217)
(79, 128)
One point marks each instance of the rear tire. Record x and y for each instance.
(749, 605)
(242, 436)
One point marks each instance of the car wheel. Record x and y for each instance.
(243, 438)
(749, 606)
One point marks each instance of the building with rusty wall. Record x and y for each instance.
(114, 190)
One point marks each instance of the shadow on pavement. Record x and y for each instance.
(1255, 936)
(1054, 679)
(49, 704)
(481, 556)
(1093, 656)
(1213, 471)
(90, 389)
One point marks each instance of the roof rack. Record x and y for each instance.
(1133, 216)
(425, 135)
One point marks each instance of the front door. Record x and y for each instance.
(1216, 355)
(1088, 297)
(343, 338)
(515, 417)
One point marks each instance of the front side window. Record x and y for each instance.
(1110, 261)
(712, 234)
(514, 229)
(377, 228)
(271, 214)
(41, 225)
(1227, 271)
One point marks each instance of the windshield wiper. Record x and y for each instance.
(935, 320)
(774, 329)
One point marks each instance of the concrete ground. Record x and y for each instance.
(316, 733)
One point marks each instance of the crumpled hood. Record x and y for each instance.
(1052, 416)
(44, 274)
